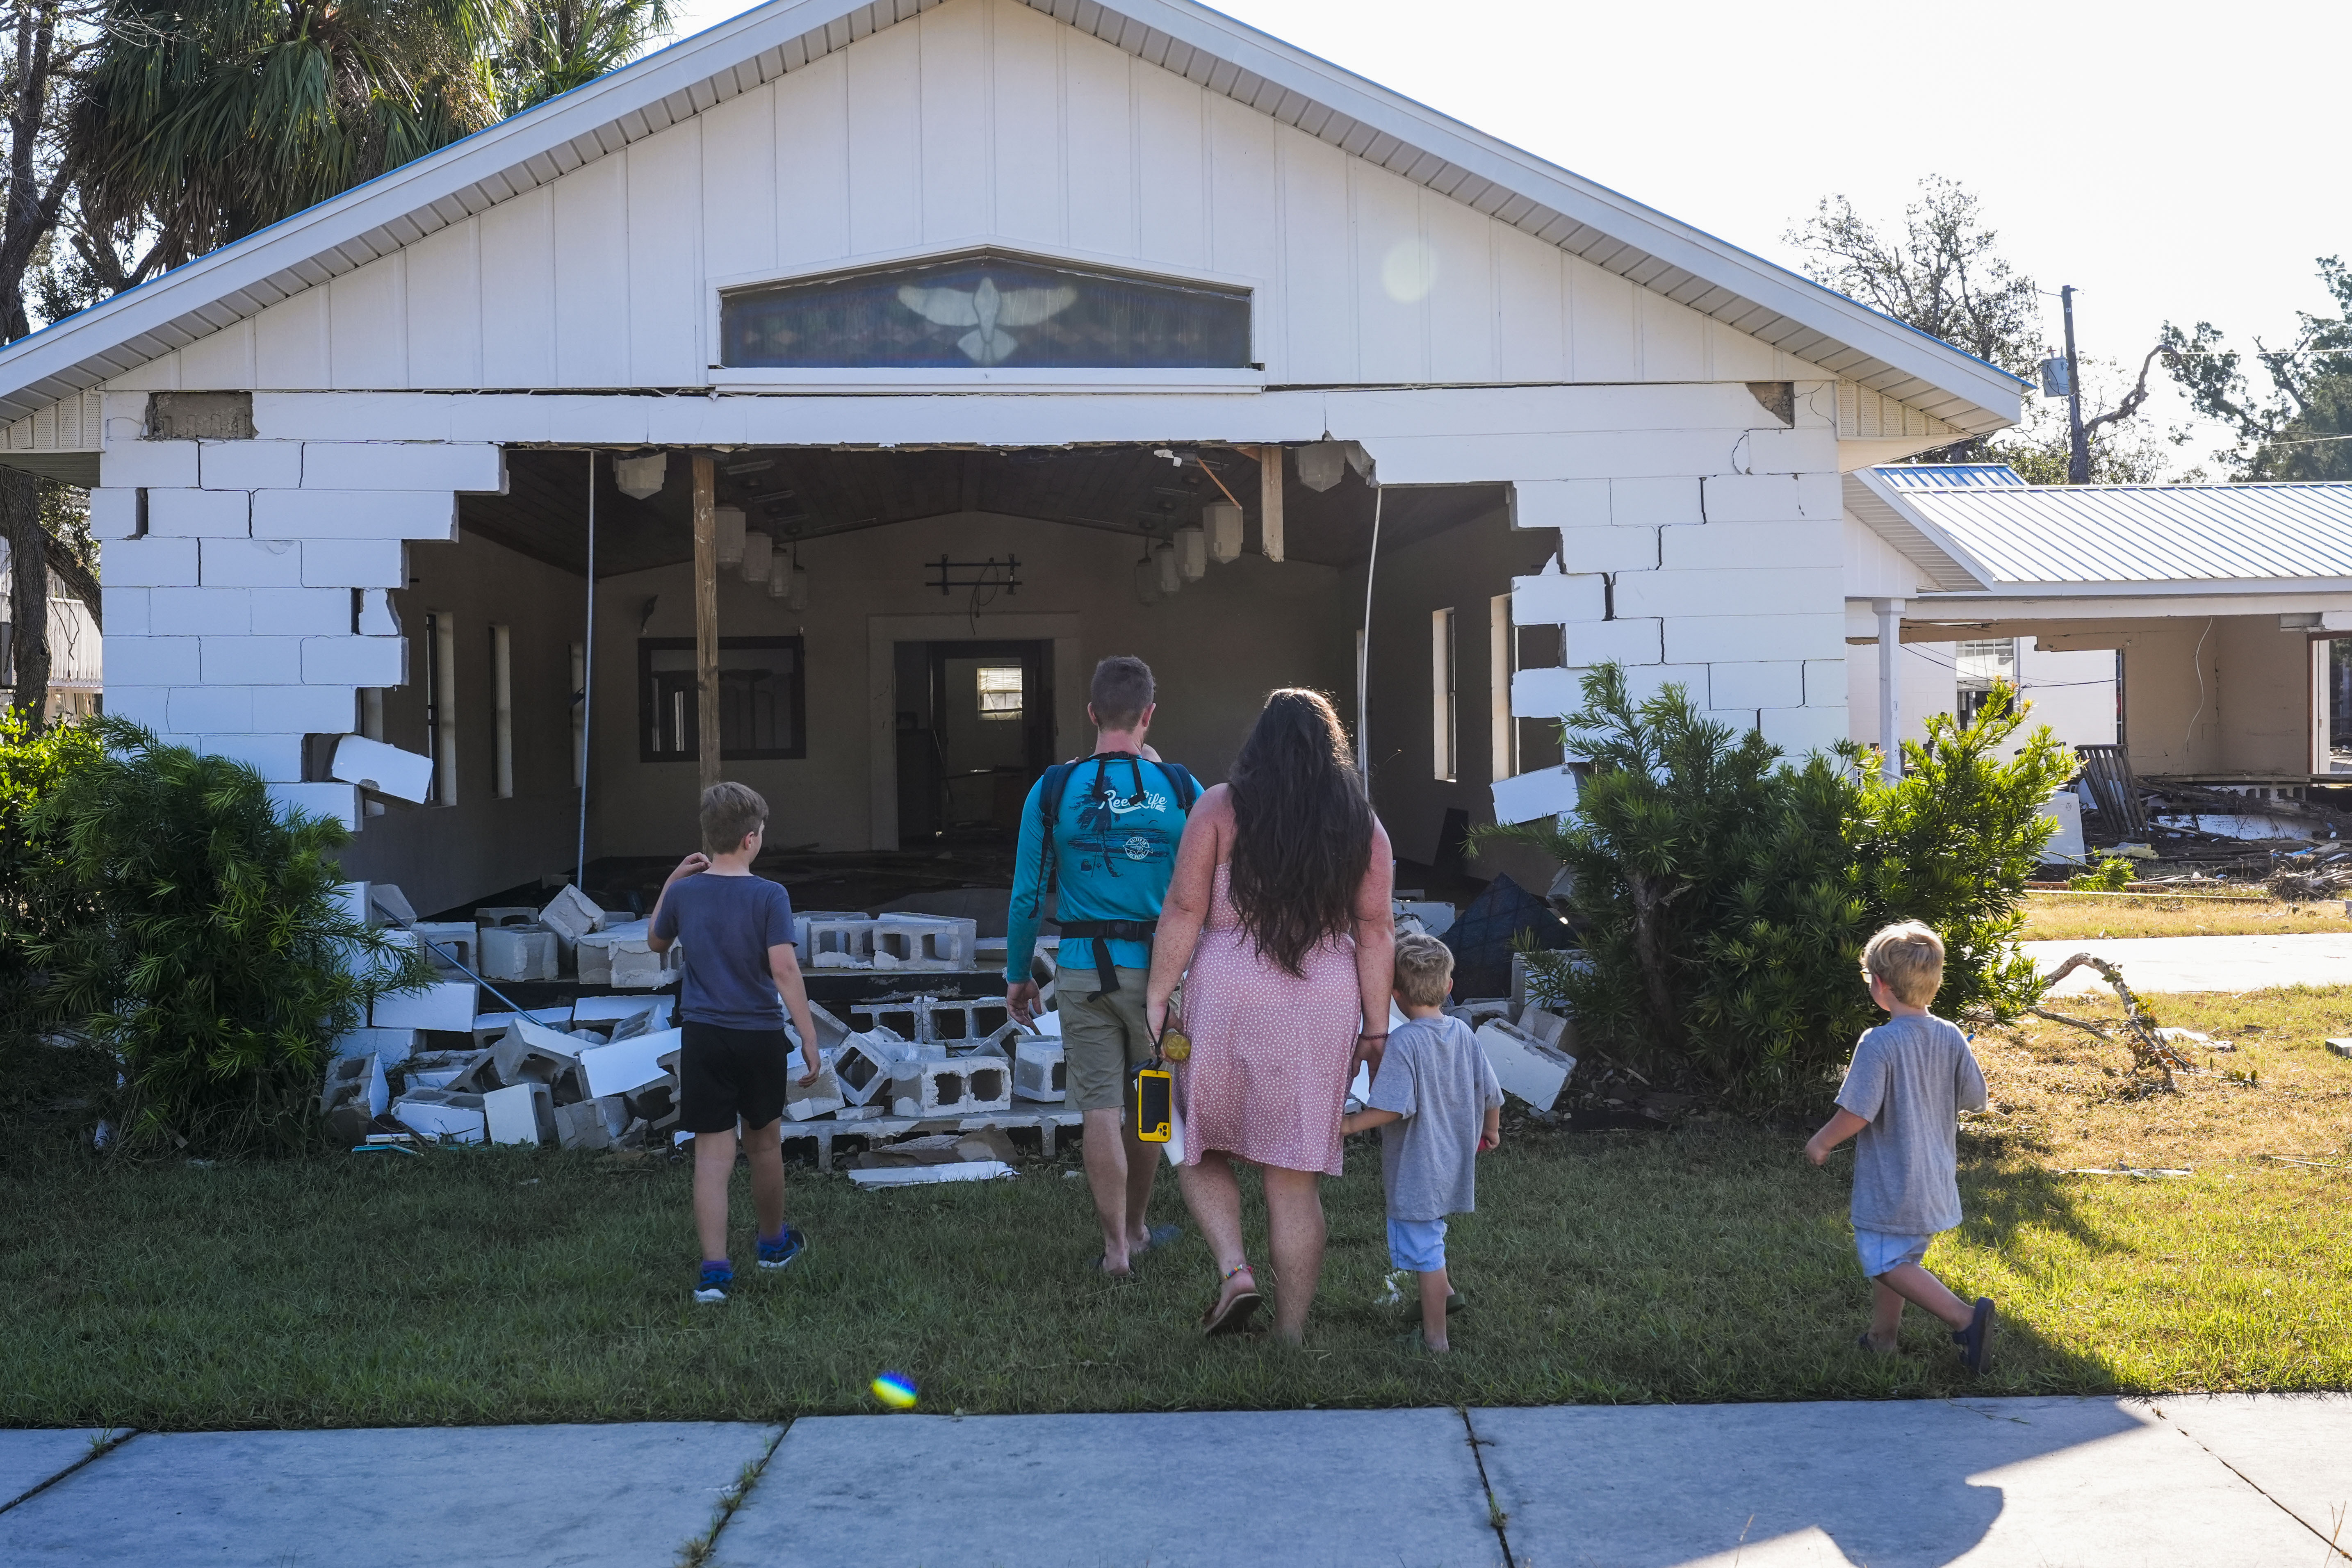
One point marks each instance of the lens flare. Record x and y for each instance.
(894, 1389)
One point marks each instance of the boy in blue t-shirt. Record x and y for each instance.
(1116, 820)
(742, 974)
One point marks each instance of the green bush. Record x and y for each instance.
(204, 944)
(2113, 876)
(1723, 897)
(31, 765)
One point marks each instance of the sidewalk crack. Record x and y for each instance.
(697, 1551)
(105, 1443)
(1495, 1514)
(2335, 1547)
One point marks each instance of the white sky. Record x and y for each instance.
(2171, 161)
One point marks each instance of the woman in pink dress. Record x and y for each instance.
(1279, 909)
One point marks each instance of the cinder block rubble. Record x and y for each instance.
(960, 1084)
(572, 915)
(448, 1004)
(806, 1103)
(1526, 1066)
(449, 943)
(440, 1113)
(519, 953)
(520, 1114)
(864, 1062)
(1037, 1070)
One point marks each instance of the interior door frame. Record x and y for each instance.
(882, 633)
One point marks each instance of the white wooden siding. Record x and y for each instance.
(982, 120)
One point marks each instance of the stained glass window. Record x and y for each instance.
(983, 311)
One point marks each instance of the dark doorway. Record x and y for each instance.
(975, 728)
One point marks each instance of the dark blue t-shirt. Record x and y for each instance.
(727, 924)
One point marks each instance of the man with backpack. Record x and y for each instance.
(1104, 830)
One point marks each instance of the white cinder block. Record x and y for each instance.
(354, 563)
(1643, 681)
(1731, 593)
(1771, 498)
(129, 611)
(628, 1064)
(146, 706)
(1547, 792)
(1560, 503)
(250, 465)
(150, 660)
(196, 612)
(302, 612)
(960, 1086)
(251, 564)
(387, 769)
(1609, 549)
(1731, 639)
(1551, 597)
(277, 758)
(148, 563)
(1656, 502)
(141, 463)
(1547, 693)
(1752, 544)
(339, 802)
(822, 1098)
(439, 1004)
(252, 661)
(403, 466)
(305, 710)
(199, 514)
(1798, 731)
(205, 710)
(1778, 684)
(355, 514)
(1526, 1067)
(390, 1047)
(1039, 1072)
(113, 514)
(1627, 642)
(514, 1114)
(1825, 682)
(1770, 451)
(1738, 721)
(355, 661)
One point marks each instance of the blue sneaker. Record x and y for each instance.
(783, 1249)
(714, 1282)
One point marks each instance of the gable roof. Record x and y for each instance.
(1751, 295)
(2004, 535)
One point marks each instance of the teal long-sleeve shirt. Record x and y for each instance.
(1114, 848)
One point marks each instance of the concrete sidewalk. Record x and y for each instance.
(2194, 1482)
(2154, 964)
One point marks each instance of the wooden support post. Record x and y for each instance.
(706, 617)
(1269, 501)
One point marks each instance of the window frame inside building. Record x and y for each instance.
(668, 714)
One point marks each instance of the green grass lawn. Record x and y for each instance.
(1704, 1263)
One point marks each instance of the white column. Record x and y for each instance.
(1890, 688)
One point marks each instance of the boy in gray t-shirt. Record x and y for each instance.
(1910, 1079)
(1438, 1105)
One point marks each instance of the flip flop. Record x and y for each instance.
(1976, 1340)
(1232, 1317)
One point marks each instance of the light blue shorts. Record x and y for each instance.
(1418, 1245)
(1883, 1249)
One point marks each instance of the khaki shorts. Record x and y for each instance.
(1100, 1040)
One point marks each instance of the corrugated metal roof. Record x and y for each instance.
(1692, 268)
(1950, 476)
(2106, 536)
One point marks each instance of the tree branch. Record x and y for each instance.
(78, 579)
(2132, 399)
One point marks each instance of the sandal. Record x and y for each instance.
(1232, 1316)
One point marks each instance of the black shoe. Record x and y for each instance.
(1976, 1340)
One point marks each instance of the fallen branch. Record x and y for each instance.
(2147, 1045)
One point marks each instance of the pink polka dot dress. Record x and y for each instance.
(1271, 1050)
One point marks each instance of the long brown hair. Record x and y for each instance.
(1302, 828)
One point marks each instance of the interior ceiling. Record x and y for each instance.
(804, 492)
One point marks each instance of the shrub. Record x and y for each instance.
(211, 954)
(32, 762)
(1724, 897)
(2113, 875)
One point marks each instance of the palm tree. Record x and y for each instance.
(205, 120)
(555, 45)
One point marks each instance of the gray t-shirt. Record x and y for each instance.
(1435, 1076)
(727, 924)
(1910, 1079)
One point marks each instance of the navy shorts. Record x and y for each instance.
(723, 1074)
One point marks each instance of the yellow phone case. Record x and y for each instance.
(1151, 1104)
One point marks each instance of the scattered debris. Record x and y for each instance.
(2342, 1047)
(2144, 1172)
(2148, 1046)
(1526, 1067)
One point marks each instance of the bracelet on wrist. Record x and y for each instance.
(1368, 1034)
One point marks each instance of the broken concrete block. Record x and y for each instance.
(627, 1064)
(489, 1026)
(447, 943)
(390, 1046)
(439, 1069)
(2065, 808)
(519, 953)
(354, 1094)
(962, 1086)
(847, 940)
(1550, 1028)
(638, 967)
(654, 1010)
(444, 1004)
(572, 914)
(804, 919)
(860, 1112)
(862, 1065)
(1037, 1070)
(438, 1113)
(822, 1098)
(830, 1030)
(520, 1114)
(387, 769)
(2342, 1047)
(1524, 1065)
(582, 1126)
(386, 899)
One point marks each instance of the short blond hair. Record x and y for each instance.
(1424, 969)
(1909, 959)
(729, 812)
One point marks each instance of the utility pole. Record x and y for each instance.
(2078, 443)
